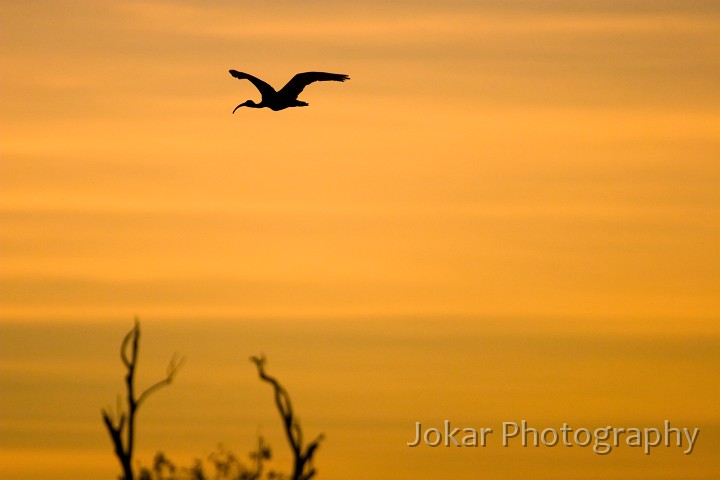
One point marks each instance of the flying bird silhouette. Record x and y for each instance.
(287, 96)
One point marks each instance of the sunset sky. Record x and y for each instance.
(541, 173)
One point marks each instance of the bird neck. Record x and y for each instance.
(248, 103)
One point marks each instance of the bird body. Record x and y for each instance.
(286, 97)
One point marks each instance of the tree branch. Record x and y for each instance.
(122, 432)
(302, 464)
(172, 369)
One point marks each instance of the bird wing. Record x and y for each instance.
(302, 80)
(265, 89)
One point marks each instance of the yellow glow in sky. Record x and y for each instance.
(551, 164)
(484, 159)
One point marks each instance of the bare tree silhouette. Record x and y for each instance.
(121, 424)
(302, 456)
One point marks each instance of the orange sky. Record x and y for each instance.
(552, 163)
(483, 159)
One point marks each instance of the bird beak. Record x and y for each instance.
(237, 107)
